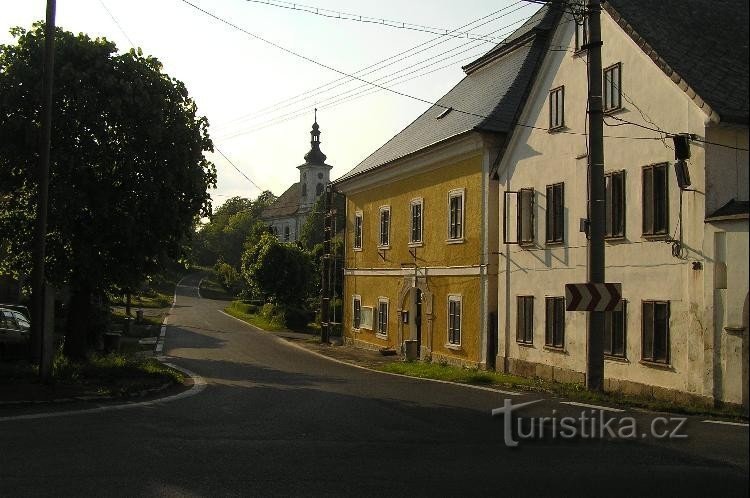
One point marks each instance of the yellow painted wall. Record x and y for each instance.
(433, 187)
(370, 288)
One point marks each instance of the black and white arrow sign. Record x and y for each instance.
(593, 297)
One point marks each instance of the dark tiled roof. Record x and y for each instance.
(703, 42)
(491, 95)
(287, 203)
(730, 210)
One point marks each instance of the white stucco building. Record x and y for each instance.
(288, 214)
(680, 254)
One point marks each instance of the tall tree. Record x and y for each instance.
(128, 174)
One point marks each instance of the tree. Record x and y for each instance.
(278, 272)
(224, 236)
(128, 175)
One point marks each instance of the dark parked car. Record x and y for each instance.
(14, 331)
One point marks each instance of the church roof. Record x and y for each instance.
(286, 205)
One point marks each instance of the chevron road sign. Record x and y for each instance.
(593, 297)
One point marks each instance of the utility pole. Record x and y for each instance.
(38, 322)
(596, 196)
(325, 299)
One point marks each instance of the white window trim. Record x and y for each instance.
(386, 301)
(372, 317)
(457, 192)
(390, 222)
(357, 297)
(360, 215)
(414, 202)
(448, 344)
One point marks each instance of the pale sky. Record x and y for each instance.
(243, 85)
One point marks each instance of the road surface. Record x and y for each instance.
(277, 420)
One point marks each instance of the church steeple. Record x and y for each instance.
(315, 155)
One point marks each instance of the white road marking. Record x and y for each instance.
(724, 422)
(199, 384)
(291, 344)
(595, 407)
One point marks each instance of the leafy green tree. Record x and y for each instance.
(278, 272)
(128, 175)
(223, 238)
(312, 231)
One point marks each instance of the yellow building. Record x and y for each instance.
(422, 210)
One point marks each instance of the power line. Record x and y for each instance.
(348, 16)
(391, 90)
(117, 23)
(439, 39)
(238, 169)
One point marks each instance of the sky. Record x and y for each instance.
(259, 99)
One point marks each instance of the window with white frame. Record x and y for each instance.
(612, 87)
(454, 320)
(416, 208)
(456, 214)
(356, 311)
(366, 317)
(383, 316)
(385, 226)
(557, 108)
(358, 230)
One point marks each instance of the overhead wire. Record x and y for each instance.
(348, 16)
(417, 49)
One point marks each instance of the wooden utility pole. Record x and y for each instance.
(39, 337)
(596, 196)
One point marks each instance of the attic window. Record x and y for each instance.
(444, 113)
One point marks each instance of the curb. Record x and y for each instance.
(354, 365)
(199, 384)
(139, 394)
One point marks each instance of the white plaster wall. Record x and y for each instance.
(646, 268)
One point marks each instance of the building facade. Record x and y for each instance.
(420, 254)
(287, 215)
(680, 251)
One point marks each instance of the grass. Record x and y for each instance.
(115, 374)
(237, 310)
(110, 375)
(574, 392)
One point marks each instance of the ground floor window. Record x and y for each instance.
(615, 330)
(383, 316)
(366, 317)
(655, 330)
(356, 312)
(525, 320)
(454, 320)
(555, 322)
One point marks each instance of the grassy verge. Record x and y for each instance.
(212, 289)
(107, 375)
(574, 392)
(237, 310)
(254, 315)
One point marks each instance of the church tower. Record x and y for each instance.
(314, 173)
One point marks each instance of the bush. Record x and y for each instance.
(297, 318)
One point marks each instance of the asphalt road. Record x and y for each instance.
(277, 420)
